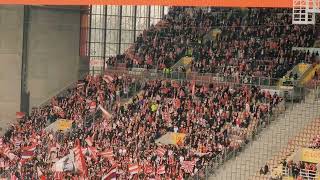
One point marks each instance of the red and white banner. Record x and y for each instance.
(107, 154)
(27, 154)
(134, 168)
(161, 151)
(188, 166)
(148, 169)
(107, 78)
(161, 169)
(112, 174)
(32, 147)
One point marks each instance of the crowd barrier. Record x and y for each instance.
(304, 173)
(143, 73)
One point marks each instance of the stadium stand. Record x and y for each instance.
(221, 112)
(251, 43)
(170, 129)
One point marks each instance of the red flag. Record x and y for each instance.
(79, 159)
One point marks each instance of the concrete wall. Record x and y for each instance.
(11, 23)
(53, 51)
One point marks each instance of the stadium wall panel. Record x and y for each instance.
(53, 51)
(11, 23)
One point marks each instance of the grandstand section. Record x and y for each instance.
(171, 93)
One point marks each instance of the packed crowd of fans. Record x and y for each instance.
(258, 44)
(215, 119)
(253, 42)
(76, 104)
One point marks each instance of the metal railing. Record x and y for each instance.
(195, 76)
(304, 173)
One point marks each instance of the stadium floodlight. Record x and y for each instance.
(304, 11)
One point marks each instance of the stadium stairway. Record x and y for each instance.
(302, 139)
(269, 141)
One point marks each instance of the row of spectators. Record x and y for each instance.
(215, 119)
